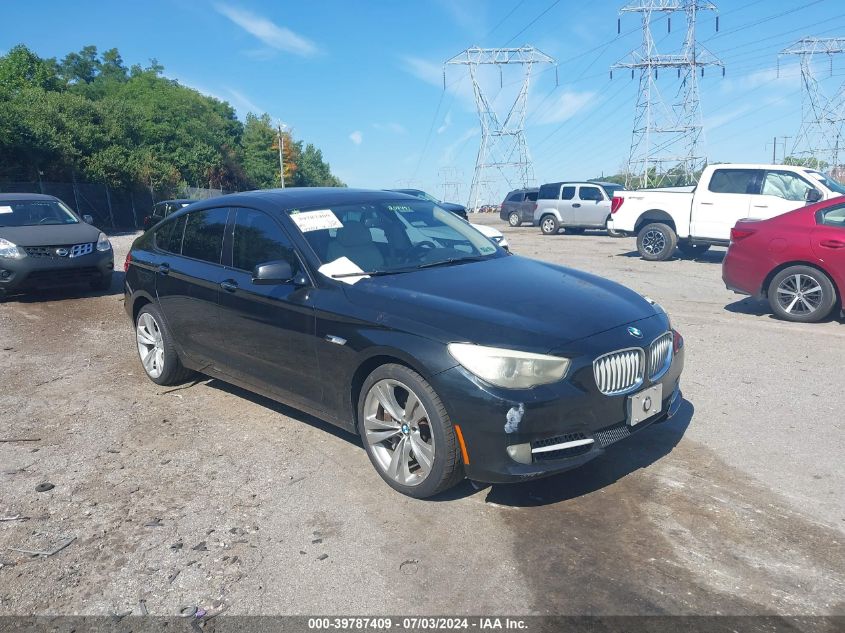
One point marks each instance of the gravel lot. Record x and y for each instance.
(211, 496)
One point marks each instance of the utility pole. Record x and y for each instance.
(775, 142)
(666, 135)
(822, 111)
(503, 153)
(281, 154)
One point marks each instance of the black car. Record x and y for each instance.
(164, 208)
(392, 318)
(43, 243)
(457, 209)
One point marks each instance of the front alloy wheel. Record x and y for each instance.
(407, 432)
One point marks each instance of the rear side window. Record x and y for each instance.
(835, 216)
(531, 195)
(590, 193)
(204, 235)
(568, 193)
(734, 181)
(169, 237)
(515, 197)
(257, 239)
(550, 192)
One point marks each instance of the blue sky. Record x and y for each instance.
(363, 79)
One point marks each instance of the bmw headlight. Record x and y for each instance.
(103, 243)
(509, 368)
(9, 250)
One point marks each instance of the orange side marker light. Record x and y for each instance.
(463, 444)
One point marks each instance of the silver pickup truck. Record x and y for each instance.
(574, 206)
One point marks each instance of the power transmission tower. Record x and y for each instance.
(666, 137)
(822, 115)
(452, 182)
(503, 152)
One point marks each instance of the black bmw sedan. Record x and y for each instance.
(392, 318)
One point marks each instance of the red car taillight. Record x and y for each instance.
(616, 203)
(677, 341)
(127, 261)
(740, 234)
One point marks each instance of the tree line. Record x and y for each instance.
(91, 118)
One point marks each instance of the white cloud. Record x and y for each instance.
(242, 103)
(394, 128)
(429, 72)
(447, 122)
(564, 106)
(456, 146)
(267, 31)
(356, 137)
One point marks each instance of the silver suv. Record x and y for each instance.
(575, 206)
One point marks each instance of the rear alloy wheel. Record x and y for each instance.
(407, 433)
(656, 242)
(155, 349)
(514, 219)
(801, 293)
(693, 250)
(549, 225)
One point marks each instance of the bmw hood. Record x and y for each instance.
(50, 234)
(511, 302)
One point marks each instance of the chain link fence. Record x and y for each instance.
(114, 209)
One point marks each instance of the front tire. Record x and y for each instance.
(156, 350)
(549, 225)
(656, 242)
(514, 220)
(407, 433)
(802, 294)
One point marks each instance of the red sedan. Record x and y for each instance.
(796, 260)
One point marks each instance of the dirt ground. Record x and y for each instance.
(209, 496)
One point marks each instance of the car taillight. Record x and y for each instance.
(616, 203)
(127, 261)
(677, 341)
(740, 234)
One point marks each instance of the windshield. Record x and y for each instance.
(35, 212)
(391, 236)
(828, 182)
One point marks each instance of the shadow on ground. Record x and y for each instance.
(62, 293)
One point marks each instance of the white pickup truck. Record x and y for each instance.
(693, 219)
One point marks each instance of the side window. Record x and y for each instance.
(733, 181)
(169, 237)
(834, 216)
(531, 195)
(515, 197)
(257, 239)
(204, 235)
(568, 193)
(590, 193)
(550, 192)
(786, 185)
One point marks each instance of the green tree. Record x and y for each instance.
(809, 161)
(313, 171)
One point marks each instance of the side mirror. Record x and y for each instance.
(272, 273)
(88, 219)
(813, 195)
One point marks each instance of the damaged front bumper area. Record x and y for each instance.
(512, 435)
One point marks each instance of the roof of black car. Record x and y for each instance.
(25, 196)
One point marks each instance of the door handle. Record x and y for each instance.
(832, 243)
(229, 285)
(709, 204)
(576, 205)
(760, 206)
(164, 269)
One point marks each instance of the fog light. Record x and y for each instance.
(520, 453)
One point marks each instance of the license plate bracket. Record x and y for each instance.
(645, 404)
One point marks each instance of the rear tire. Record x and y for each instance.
(656, 242)
(156, 349)
(407, 432)
(802, 294)
(693, 250)
(549, 225)
(514, 220)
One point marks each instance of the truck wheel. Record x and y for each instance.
(549, 225)
(514, 219)
(656, 242)
(693, 250)
(610, 231)
(801, 293)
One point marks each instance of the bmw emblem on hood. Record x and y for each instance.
(635, 332)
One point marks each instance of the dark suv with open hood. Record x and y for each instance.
(43, 243)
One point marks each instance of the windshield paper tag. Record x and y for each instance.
(6, 210)
(316, 220)
(343, 266)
